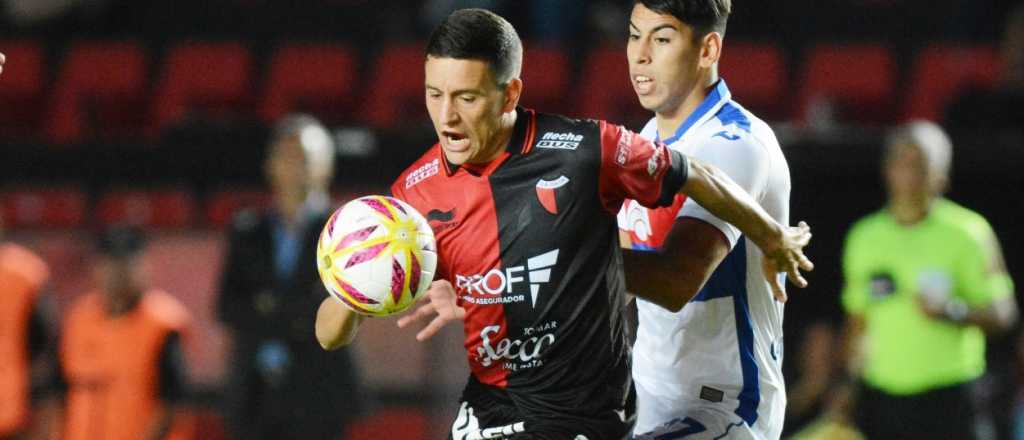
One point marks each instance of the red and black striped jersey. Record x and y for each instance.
(530, 243)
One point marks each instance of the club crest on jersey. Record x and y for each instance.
(547, 191)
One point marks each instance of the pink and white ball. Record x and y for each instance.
(376, 255)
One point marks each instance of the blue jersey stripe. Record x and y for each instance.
(750, 395)
(730, 280)
(731, 114)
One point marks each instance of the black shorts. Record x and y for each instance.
(942, 413)
(488, 413)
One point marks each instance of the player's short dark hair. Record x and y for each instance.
(704, 16)
(479, 34)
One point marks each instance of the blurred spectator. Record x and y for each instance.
(283, 385)
(817, 367)
(122, 369)
(23, 332)
(925, 281)
(997, 109)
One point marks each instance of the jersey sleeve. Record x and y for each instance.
(635, 167)
(745, 161)
(855, 294)
(981, 275)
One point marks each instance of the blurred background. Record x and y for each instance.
(160, 113)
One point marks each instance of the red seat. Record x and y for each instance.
(43, 207)
(546, 74)
(158, 209)
(391, 423)
(100, 91)
(605, 90)
(21, 89)
(213, 77)
(222, 205)
(942, 72)
(319, 79)
(858, 79)
(397, 94)
(757, 77)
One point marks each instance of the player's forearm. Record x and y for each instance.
(663, 279)
(721, 196)
(336, 325)
(994, 319)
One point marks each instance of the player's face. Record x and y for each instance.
(466, 107)
(664, 59)
(906, 173)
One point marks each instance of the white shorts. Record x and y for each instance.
(703, 425)
(664, 418)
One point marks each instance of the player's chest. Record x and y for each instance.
(522, 209)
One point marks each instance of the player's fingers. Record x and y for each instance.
(793, 272)
(421, 312)
(777, 289)
(431, 329)
(805, 263)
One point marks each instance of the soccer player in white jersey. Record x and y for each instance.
(708, 355)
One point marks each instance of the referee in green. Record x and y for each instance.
(924, 282)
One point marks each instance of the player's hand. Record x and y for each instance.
(788, 257)
(929, 308)
(441, 305)
(2, 60)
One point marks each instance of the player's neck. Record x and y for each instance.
(910, 211)
(669, 121)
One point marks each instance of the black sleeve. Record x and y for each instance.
(173, 371)
(674, 178)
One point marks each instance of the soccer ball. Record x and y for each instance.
(376, 255)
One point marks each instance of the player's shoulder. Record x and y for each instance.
(868, 226)
(165, 309)
(740, 127)
(421, 172)
(962, 220)
(563, 133)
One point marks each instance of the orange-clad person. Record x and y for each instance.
(22, 332)
(122, 371)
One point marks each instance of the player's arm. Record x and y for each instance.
(986, 297)
(336, 324)
(782, 246)
(3, 59)
(673, 276)
(631, 165)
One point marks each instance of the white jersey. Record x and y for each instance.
(722, 353)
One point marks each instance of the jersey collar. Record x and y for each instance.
(707, 109)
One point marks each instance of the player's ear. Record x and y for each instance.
(710, 49)
(513, 90)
